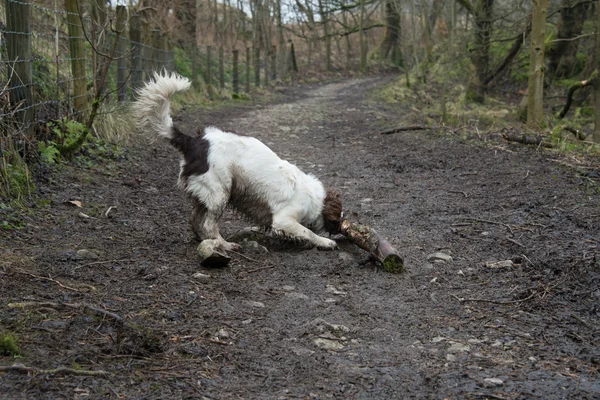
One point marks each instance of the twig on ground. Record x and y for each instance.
(104, 262)
(20, 368)
(458, 192)
(499, 301)
(515, 242)
(47, 279)
(487, 221)
(245, 257)
(251, 271)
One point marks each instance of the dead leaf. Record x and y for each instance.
(75, 203)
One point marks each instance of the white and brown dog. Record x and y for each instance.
(223, 168)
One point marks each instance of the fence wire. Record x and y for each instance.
(47, 91)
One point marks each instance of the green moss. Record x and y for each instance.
(9, 345)
(393, 264)
(15, 179)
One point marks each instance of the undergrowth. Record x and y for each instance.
(9, 345)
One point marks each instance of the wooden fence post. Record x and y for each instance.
(156, 53)
(274, 62)
(247, 69)
(236, 78)
(135, 40)
(78, 60)
(98, 14)
(170, 54)
(257, 66)
(121, 60)
(221, 69)
(267, 57)
(208, 77)
(146, 47)
(293, 65)
(164, 52)
(18, 46)
(195, 81)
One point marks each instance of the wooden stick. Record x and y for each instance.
(367, 239)
(405, 128)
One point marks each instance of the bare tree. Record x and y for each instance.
(535, 87)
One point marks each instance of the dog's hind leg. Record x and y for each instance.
(204, 223)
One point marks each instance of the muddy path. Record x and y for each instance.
(500, 298)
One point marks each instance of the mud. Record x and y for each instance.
(500, 296)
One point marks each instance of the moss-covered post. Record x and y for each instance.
(78, 59)
(221, 69)
(236, 77)
(18, 46)
(247, 69)
(135, 40)
(121, 51)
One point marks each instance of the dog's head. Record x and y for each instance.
(332, 211)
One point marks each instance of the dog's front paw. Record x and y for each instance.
(229, 246)
(327, 244)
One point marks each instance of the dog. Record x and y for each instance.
(220, 168)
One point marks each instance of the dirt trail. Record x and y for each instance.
(294, 323)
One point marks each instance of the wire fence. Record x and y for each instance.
(52, 61)
(59, 61)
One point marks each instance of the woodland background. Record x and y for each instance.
(68, 68)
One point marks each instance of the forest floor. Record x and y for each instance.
(500, 297)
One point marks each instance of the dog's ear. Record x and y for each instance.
(332, 211)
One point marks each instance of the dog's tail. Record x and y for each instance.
(151, 109)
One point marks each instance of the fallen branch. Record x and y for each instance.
(537, 140)
(60, 305)
(131, 338)
(510, 56)
(406, 128)
(23, 369)
(580, 135)
(367, 239)
(572, 91)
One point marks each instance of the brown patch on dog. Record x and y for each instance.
(243, 199)
(332, 211)
(194, 150)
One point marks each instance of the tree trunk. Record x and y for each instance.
(363, 43)
(98, 14)
(325, 21)
(434, 13)
(535, 87)
(596, 135)
(562, 53)
(481, 51)
(77, 53)
(390, 43)
(121, 51)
